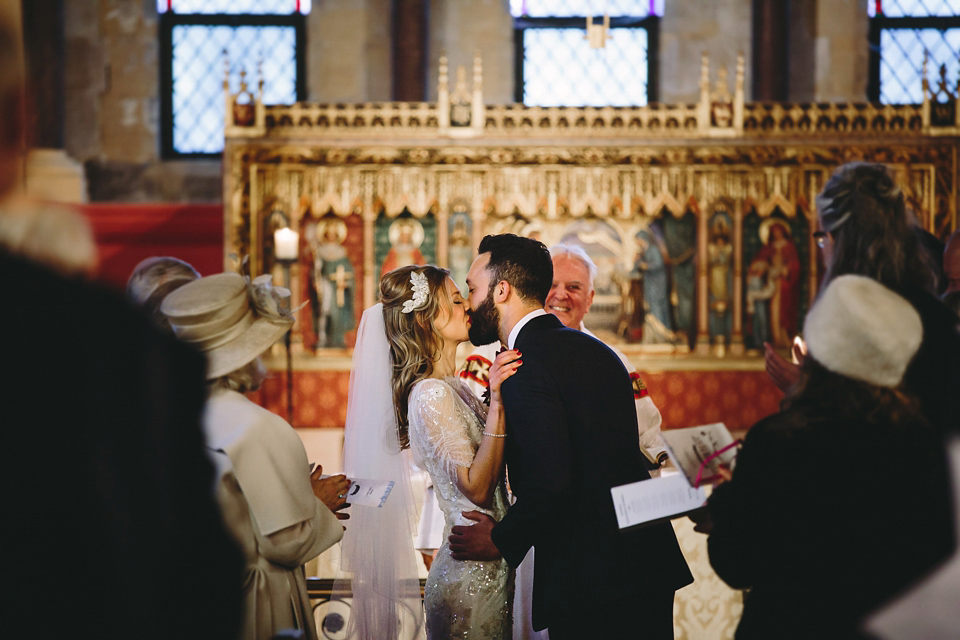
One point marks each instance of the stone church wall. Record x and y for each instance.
(111, 116)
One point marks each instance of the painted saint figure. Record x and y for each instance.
(759, 291)
(332, 286)
(780, 253)
(406, 235)
(719, 286)
(652, 268)
(460, 253)
(679, 242)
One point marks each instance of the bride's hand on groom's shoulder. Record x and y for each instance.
(504, 365)
(473, 542)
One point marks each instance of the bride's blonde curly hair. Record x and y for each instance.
(414, 341)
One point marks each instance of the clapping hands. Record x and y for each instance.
(784, 373)
(331, 491)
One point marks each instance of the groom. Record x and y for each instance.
(571, 436)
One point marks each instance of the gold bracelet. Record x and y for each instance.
(495, 435)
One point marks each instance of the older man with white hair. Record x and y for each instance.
(569, 299)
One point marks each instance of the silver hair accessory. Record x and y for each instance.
(418, 281)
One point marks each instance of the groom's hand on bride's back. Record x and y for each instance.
(473, 542)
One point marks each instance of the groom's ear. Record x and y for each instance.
(502, 291)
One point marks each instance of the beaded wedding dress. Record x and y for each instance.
(463, 599)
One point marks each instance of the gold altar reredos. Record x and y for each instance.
(607, 171)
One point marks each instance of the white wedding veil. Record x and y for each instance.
(377, 546)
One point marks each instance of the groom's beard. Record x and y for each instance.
(485, 322)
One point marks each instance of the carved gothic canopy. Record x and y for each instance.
(699, 217)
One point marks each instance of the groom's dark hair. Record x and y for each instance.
(525, 263)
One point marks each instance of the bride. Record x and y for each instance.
(406, 350)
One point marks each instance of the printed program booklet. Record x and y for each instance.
(368, 493)
(676, 493)
(690, 449)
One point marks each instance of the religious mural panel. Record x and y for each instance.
(460, 245)
(701, 229)
(403, 241)
(775, 251)
(331, 260)
(680, 241)
(720, 279)
(652, 268)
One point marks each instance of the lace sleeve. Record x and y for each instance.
(469, 398)
(437, 426)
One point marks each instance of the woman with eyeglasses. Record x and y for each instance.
(822, 546)
(865, 230)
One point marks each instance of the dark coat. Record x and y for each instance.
(828, 515)
(934, 373)
(110, 523)
(571, 436)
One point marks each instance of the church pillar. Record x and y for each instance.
(50, 173)
(370, 290)
(443, 218)
(721, 28)
(463, 29)
(703, 297)
(10, 11)
(842, 60)
(736, 337)
(43, 41)
(410, 50)
(770, 46)
(349, 51)
(828, 59)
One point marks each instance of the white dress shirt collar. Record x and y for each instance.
(524, 320)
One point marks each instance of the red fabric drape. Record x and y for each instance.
(127, 233)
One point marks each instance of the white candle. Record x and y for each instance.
(285, 243)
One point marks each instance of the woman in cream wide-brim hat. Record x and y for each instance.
(232, 321)
(278, 511)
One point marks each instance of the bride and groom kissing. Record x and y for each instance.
(563, 420)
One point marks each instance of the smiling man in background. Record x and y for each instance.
(569, 299)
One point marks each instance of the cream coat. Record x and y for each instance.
(263, 489)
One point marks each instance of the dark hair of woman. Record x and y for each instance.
(851, 400)
(864, 210)
(414, 342)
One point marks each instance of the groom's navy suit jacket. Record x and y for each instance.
(572, 435)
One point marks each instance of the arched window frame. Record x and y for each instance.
(648, 20)
(170, 19)
(893, 17)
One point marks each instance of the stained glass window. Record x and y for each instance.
(574, 8)
(902, 32)
(559, 67)
(278, 7)
(914, 8)
(265, 38)
(569, 72)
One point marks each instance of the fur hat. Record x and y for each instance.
(229, 318)
(860, 329)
